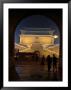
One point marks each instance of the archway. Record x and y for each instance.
(35, 32)
(14, 20)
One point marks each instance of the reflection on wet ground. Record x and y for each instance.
(35, 71)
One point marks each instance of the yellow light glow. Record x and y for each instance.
(41, 39)
(34, 43)
(55, 36)
(46, 40)
(26, 40)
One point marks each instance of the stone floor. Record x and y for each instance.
(35, 71)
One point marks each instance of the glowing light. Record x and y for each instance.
(55, 36)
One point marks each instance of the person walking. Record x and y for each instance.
(54, 63)
(48, 59)
(42, 60)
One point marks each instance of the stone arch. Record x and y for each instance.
(13, 22)
(31, 21)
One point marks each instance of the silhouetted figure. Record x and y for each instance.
(49, 62)
(54, 62)
(33, 57)
(42, 60)
(36, 56)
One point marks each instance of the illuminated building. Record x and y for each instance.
(38, 42)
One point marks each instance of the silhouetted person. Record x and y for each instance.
(42, 60)
(33, 57)
(49, 62)
(37, 57)
(54, 62)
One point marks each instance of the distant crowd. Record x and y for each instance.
(51, 61)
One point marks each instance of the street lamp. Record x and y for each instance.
(55, 36)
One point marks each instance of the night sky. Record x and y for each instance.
(36, 21)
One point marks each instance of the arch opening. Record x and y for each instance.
(37, 33)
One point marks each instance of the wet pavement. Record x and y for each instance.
(35, 71)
